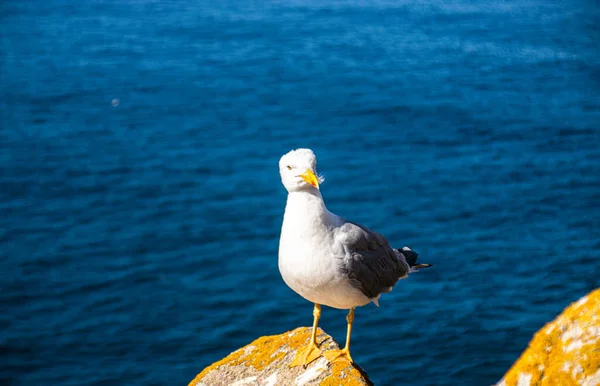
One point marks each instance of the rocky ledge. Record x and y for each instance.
(565, 351)
(265, 362)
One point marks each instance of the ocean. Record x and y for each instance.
(141, 205)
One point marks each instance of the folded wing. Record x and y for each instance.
(368, 260)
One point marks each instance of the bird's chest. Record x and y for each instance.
(305, 258)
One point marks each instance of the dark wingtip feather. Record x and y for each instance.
(410, 256)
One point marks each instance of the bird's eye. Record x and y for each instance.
(289, 167)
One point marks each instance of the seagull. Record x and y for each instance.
(328, 260)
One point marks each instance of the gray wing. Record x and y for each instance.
(368, 260)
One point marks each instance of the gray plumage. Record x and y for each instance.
(368, 260)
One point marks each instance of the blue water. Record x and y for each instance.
(141, 205)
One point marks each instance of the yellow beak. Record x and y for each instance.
(310, 177)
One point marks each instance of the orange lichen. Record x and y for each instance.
(350, 375)
(263, 351)
(272, 355)
(300, 337)
(565, 351)
(257, 354)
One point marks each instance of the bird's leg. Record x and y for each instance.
(312, 351)
(342, 355)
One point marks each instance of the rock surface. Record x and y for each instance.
(265, 362)
(565, 351)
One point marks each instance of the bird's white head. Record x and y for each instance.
(298, 170)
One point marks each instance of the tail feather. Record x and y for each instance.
(410, 257)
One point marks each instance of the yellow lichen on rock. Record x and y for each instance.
(564, 352)
(351, 375)
(265, 362)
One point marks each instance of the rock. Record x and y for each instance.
(565, 351)
(265, 362)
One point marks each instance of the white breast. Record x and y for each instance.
(306, 260)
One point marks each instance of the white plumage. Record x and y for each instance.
(307, 255)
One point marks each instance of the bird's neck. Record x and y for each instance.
(306, 207)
